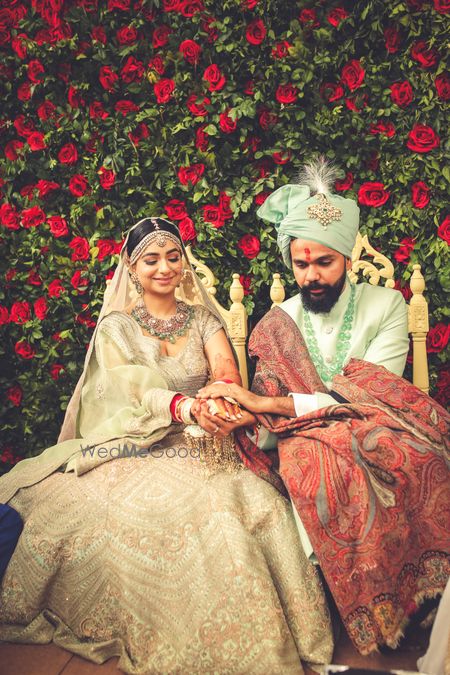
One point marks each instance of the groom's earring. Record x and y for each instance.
(137, 284)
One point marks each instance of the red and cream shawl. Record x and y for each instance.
(369, 479)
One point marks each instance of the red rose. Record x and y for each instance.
(249, 245)
(133, 70)
(442, 84)
(437, 338)
(353, 74)
(108, 78)
(425, 57)
(392, 39)
(157, 64)
(444, 230)
(246, 282)
(9, 217)
(164, 90)
(401, 93)
(309, 16)
(331, 91)
(383, 128)
(125, 107)
(286, 93)
(187, 229)
(80, 248)
(40, 308)
(261, 198)
(127, 35)
(249, 88)
(256, 32)
(161, 36)
(207, 26)
(267, 119)
(32, 217)
(20, 312)
(213, 215)
(175, 209)
(4, 315)
(190, 174)
(15, 394)
(171, 5)
(201, 138)
(33, 278)
(46, 110)
(35, 70)
(107, 178)
(23, 126)
(58, 226)
(373, 194)
(79, 281)
(12, 150)
(45, 187)
(106, 247)
(19, 45)
(36, 141)
(280, 51)
(75, 99)
(336, 15)
(139, 134)
(55, 288)
(55, 370)
(98, 34)
(196, 108)
(403, 253)
(224, 206)
(68, 154)
(191, 7)
(404, 290)
(97, 111)
(78, 185)
(191, 51)
(24, 91)
(122, 5)
(442, 6)
(227, 123)
(443, 387)
(281, 158)
(422, 139)
(214, 77)
(344, 184)
(357, 103)
(420, 194)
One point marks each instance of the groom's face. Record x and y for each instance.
(320, 273)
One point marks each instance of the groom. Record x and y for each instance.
(361, 451)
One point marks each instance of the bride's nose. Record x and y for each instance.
(163, 266)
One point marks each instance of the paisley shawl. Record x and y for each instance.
(369, 479)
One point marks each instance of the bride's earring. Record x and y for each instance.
(137, 284)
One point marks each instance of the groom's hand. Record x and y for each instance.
(244, 397)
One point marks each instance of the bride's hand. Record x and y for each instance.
(215, 425)
(244, 397)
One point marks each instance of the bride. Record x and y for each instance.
(144, 543)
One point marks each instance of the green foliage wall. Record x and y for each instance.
(118, 109)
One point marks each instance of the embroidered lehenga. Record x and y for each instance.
(170, 563)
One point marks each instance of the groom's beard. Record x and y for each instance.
(325, 301)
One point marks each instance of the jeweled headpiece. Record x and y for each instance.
(162, 231)
(309, 210)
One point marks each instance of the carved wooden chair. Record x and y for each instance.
(375, 268)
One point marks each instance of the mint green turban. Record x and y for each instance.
(328, 219)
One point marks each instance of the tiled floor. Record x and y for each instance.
(52, 660)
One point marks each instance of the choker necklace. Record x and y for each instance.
(326, 373)
(164, 329)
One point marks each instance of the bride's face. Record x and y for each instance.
(159, 268)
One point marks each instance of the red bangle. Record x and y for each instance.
(173, 406)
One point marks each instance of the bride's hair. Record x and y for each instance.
(147, 226)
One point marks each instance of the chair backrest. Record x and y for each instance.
(378, 267)
(235, 317)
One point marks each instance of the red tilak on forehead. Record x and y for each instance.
(308, 255)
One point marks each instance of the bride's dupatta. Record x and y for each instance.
(369, 479)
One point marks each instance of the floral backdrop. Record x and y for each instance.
(117, 109)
